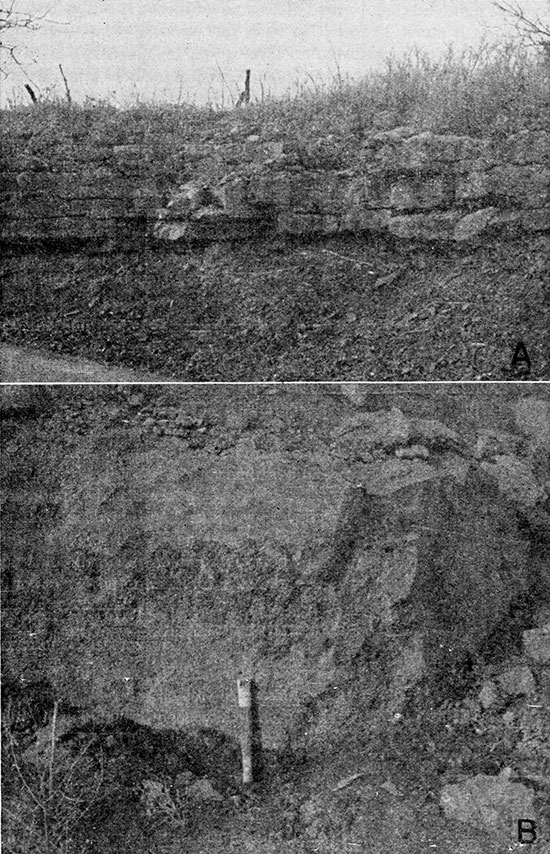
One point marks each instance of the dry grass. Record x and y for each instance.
(493, 89)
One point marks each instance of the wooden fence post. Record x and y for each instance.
(30, 90)
(244, 97)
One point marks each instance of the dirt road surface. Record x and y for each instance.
(20, 365)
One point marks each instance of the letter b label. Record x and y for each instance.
(526, 831)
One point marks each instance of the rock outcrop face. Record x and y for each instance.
(406, 184)
(68, 185)
(491, 803)
(340, 554)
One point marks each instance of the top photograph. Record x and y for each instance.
(248, 191)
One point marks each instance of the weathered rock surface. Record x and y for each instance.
(517, 681)
(414, 186)
(339, 566)
(409, 184)
(536, 643)
(493, 804)
(489, 696)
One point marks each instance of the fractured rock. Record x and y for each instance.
(517, 681)
(515, 479)
(426, 226)
(408, 194)
(338, 578)
(412, 452)
(489, 696)
(435, 435)
(532, 417)
(474, 225)
(492, 804)
(491, 443)
(191, 197)
(370, 429)
(536, 643)
(522, 183)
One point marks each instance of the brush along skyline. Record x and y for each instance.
(198, 50)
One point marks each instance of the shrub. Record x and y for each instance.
(493, 88)
(46, 792)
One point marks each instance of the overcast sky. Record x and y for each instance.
(159, 48)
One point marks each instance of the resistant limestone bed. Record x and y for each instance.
(410, 185)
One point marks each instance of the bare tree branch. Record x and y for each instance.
(67, 90)
(12, 20)
(534, 30)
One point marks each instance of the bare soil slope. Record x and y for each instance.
(341, 309)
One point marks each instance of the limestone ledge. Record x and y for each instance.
(408, 185)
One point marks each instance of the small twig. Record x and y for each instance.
(315, 86)
(308, 254)
(77, 759)
(347, 258)
(18, 770)
(347, 781)
(18, 818)
(412, 332)
(224, 81)
(67, 90)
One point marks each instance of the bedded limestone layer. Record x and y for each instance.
(408, 184)
(413, 186)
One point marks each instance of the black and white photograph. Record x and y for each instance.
(215, 190)
(275, 426)
(271, 618)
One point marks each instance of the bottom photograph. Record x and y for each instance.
(276, 618)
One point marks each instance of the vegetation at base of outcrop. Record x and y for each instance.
(290, 312)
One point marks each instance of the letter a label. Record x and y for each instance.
(521, 360)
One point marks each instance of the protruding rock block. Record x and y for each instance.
(409, 194)
(526, 147)
(296, 223)
(536, 643)
(517, 681)
(426, 227)
(474, 225)
(199, 212)
(536, 220)
(473, 186)
(527, 184)
(492, 804)
(515, 479)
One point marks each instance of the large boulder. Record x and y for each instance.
(494, 804)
